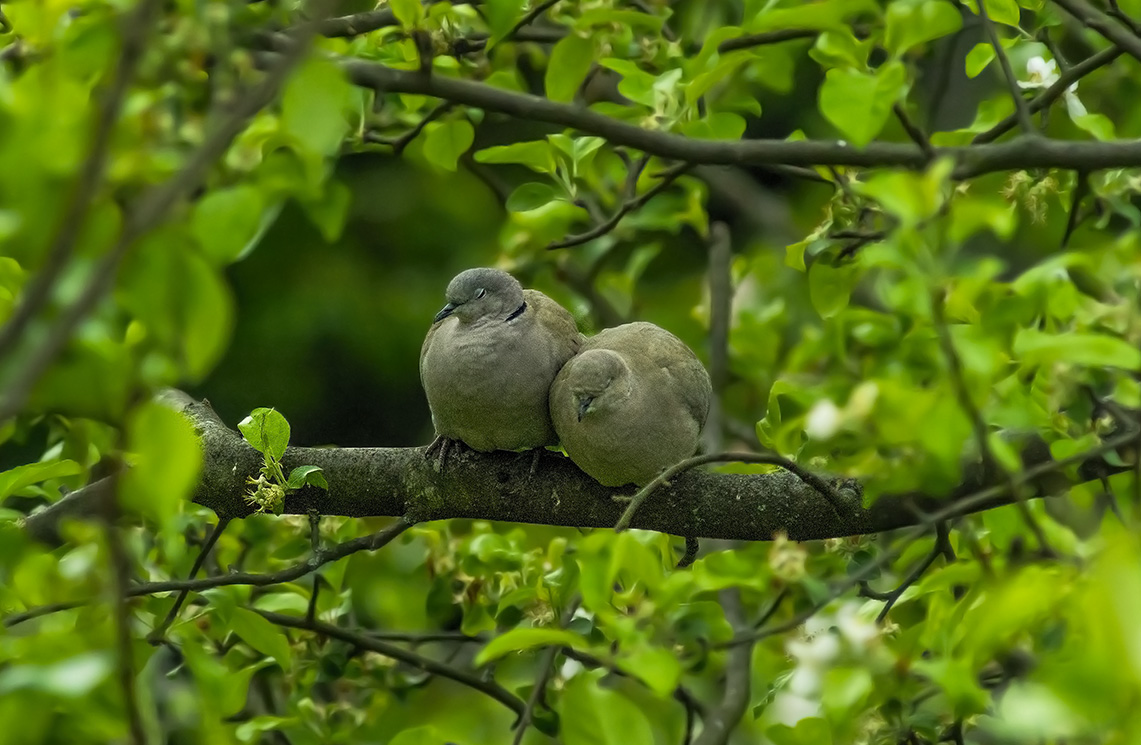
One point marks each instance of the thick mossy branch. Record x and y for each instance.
(499, 486)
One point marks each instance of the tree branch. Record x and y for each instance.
(1020, 107)
(972, 160)
(738, 673)
(427, 664)
(1103, 24)
(499, 486)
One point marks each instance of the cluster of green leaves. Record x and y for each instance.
(267, 432)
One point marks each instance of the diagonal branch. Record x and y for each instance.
(135, 29)
(1020, 107)
(632, 204)
(427, 664)
(1090, 16)
(546, 669)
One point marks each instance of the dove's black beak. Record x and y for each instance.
(444, 312)
(584, 406)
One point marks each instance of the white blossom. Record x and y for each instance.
(823, 420)
(1042, 73)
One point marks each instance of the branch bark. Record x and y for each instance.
(499, 486)
(973, 160)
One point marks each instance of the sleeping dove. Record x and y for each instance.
(488, 361)
(630, 404)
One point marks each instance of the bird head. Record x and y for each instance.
(597, 381)
(481, 293)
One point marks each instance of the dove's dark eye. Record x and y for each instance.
(480, 293)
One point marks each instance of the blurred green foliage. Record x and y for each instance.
(302, 275)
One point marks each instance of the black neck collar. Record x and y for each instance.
(518, 312)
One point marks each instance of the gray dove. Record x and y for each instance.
(488, 361)
(630, 404)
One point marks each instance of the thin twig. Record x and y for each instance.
(157, 633)
(402, 141)
(1053, 93)
(136, 26)
(817, 483)
(913, 131)
(1081, 189)
(770, 611)
(370, 542)
(720, 310)
(121, 574)
(546, 668)
(1020, 107)
(315, 548)
(991, 465)
(371, 644)
(628, 206)
(1090, 16)
(720, 723)
(766, 37)
(528, 18)
(941, 547)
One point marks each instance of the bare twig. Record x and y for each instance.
(370, 542)
(720, 723)
(121, 572)
(766, 37)
(1053, 93)
(941, 548)
(528, 18)
(370, 643)
(1081, 190)
(546, 668)
(913, 131)
(402, 141)
(1090, 16)
(770, 611)
(157, 633)
(720, 307)
(628, 206)
(1020, 107)
(991, 465)
(820, 485)
(135, 27)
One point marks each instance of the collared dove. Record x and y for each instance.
(630, 404)
(488, 361)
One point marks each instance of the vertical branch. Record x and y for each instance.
(738, 672)
(991, 467)
(546, 669)
(720, 308)
(121, 573)
(1020, 106)
(135, 28)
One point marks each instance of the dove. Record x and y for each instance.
(631, 403)
(488, 361)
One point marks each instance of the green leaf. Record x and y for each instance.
(226, 221)
(636, 83)
(15, 479)
(1001, 11)
(73, 677)
(307, 475)
(502, 15)
(523, 638)
(531, 196)
(536, 155)
(408, 12)
(1098, 125)
(267, 431)
(593, 715)
(329, 212)
(167, 461)
(445, 142)
(262, 635)
(423, 735)
(1036, 347)
(658, 668)
(909, 24)
(313, 106)
(570, 60)
(829, 287)
(859, 104)
(592, 17)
